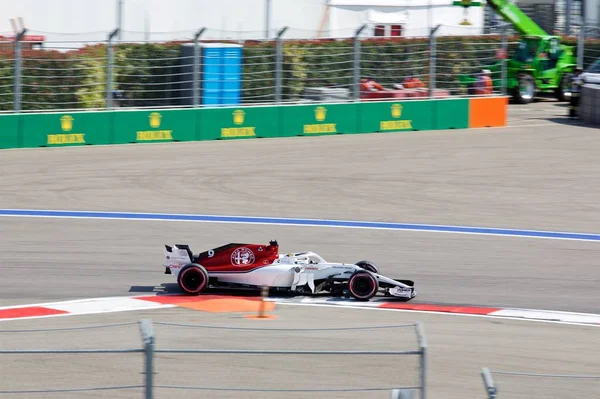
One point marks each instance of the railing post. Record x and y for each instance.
(120, 18)
(423, 348)
(580, 46)
(432, 60)
(17, 75)
(267, 19)
(488, 382)
(149, 341)
(568, 17)
(356, 67)
(279, 64)
(505, 58)
(109, 66)
(196, 78)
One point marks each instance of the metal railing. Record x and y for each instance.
(150, 352)
(588, 45)
(75, 74)
(521, 384)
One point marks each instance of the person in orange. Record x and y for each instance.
(369, 84)
(412, 82)
(484, 84)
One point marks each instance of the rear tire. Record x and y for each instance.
(368, 265)
(363, 285)
(564, 87)
(192, 279)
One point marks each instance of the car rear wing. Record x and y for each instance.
(177, 256)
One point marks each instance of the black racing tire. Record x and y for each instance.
(564, 87)
(192, 279)
(363, 285)
(526, 89)
(368, 265)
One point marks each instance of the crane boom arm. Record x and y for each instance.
(513, 14)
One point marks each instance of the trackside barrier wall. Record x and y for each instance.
(9, 131)
(151, 379)
(195, 124)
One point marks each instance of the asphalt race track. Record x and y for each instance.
(540, 173)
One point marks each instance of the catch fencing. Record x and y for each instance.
(588, 45)
(165, 370)
(77, 74)
(516, 385)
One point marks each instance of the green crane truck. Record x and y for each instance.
(541, 64)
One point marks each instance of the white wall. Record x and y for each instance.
(60, 19)
(421, 15)
(592, 9)
(92, 20)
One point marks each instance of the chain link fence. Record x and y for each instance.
(588, 45)
(84, 72)
(187, 364)
(98, 71)
(523, 385)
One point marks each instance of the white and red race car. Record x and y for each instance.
(257, 266)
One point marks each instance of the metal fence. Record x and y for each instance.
(588, 49)
(100, 71)
(178, 368)
(99, 74)
(512, 385)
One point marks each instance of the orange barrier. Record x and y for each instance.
(488, 112)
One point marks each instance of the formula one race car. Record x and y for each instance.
(256, 266)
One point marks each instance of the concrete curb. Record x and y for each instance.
(136, 303)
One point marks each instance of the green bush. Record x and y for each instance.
(6, 81)
(258, 72)
(50, 80)
(148, 73)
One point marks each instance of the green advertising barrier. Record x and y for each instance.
(120, 127)
(56, 129)
(77, 128)
(9, 131)
(237, 123)
(154, 126)
(311, 120)
(396, 116)
(451, 113)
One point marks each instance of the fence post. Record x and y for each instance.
(149, 341)
(196, 89)
(109, 66)
(568, 17)
(423, 347)
(505, 57)
(432, 60)
(580, 46)
(356, 68)
(120, 18)
(17, 91)
(267, 19)
(488, 382)
(279, 64)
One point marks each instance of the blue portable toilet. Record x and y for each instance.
(232, 74)
(221, 76)
(210, 75)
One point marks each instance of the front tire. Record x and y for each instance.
(525, 91)
(363, 285)
(192, 279)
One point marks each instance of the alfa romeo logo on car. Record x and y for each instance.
(242, 256)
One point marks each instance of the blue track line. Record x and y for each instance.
(301, 222)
